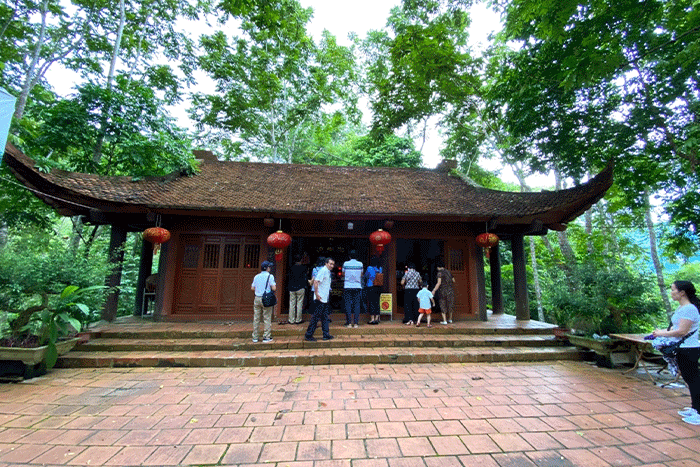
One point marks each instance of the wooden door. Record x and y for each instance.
(214, 276)
(457, 261)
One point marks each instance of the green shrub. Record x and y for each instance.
(606, 299)
(36, 269)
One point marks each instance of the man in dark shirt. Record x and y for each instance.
(297, 286)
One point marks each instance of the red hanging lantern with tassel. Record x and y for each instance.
(279, 241)
(380, 238)
(157, 236)
(487, 240)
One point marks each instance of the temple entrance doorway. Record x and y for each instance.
(423, 254)
(337, 248)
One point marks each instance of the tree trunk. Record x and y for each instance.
(96, 231)
(588, 217)
(97, 150)
(655, 256)
(563, 239)
(77, 234)
(24, 316)
(548, 245)
(29, 78)
(536, 281)
(3, 234)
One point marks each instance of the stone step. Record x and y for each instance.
(144, 343)
(315, 353)
(239, 331)
(342, 340)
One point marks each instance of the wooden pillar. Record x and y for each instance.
(388, 259)
(496, 282)
(522, 306)
(145, 267)
(113, 280)
(166, 249)
(280, 274)
(480, 281)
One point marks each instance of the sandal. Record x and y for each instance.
(418, 325)
(429, 326)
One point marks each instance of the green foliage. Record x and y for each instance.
(605, 300)
(388, 151)
(688, 272)
(20, 207)
(421, 67)
(63, 318)
(78, 314)
(139, 139)
(36, 262)
(574, 85)
(130, 271)
(273, 85)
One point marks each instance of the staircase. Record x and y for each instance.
(139, 343)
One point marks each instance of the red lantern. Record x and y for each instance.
(380, 238)
(279, 241)
(156, 235)
(487, 240)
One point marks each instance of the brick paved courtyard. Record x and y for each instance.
(540, 414)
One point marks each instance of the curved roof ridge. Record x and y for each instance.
(226, 188)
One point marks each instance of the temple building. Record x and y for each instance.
(220, 219)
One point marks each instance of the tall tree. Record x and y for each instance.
(122, 51)
(34, 36)
(128, 121)
(421, 67)
(592, 81)
(653, 252)
(274, 85)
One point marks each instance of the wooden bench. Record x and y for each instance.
(642, 346)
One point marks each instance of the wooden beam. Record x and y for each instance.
(96, 216)
(536, 226)
(557, 227)
(65, 212)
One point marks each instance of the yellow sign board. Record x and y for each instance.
(385, 303)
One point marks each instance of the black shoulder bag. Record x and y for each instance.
(269, 298)
(671, 350)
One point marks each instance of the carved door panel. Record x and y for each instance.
(214, 275)
(457, 261)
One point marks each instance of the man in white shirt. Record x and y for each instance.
(352, 292)
(322, 292)
(262, 283)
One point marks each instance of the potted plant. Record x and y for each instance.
(562, 318)
(35, 336)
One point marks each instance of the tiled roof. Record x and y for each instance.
(310, 189)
